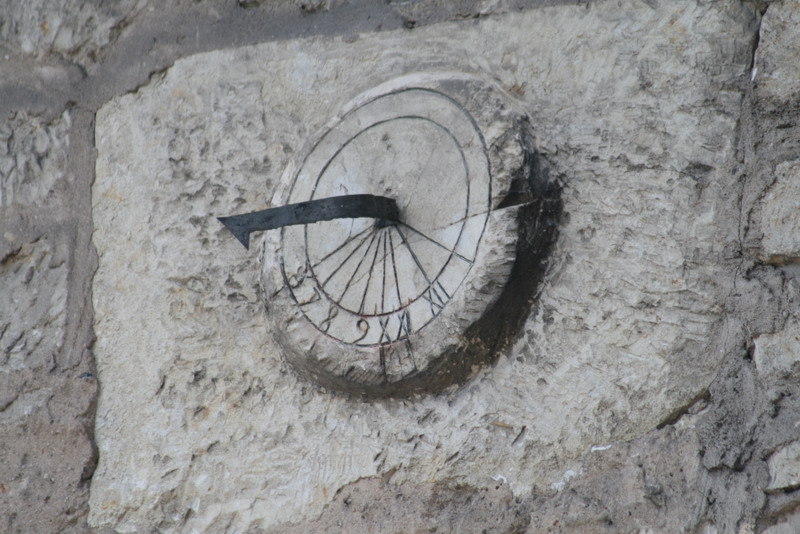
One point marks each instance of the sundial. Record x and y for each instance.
(388, 260)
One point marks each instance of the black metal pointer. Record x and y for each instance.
(345, 207)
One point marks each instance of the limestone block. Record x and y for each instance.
(787, 525)
(200, 424)
(372, 505)
(779, 215)
(45, 448)
(620, 485)
(784, 468)
(32, 313)
(73, 28)
(777, 73)
(778, 355)
(33, 156)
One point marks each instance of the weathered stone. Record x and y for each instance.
(392, 309)
(45, 448)
(784, 468)
(44, 465)
(32, 308)
(789, 524)
(625, 333)
(639, 486)
(375, 505)
(75, 29)
(778, 216)
(777, 356)
(33, 156)
(777, 70)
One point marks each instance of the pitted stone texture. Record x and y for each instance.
(778, 216)
(373, 505)
(784, 468)
(75, 29)
(777, 356)
(32, 310)
(649, 485)
(777, 74)
(787, 525)
(45, 448)
(200, 425)
(33, 157)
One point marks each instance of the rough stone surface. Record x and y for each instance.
(788, 525)
(777, 356)
(725, 437)
(47, 386)
(375, 505)
(74, 29)
(779, 216)
(32, 306)
(784, 468)
(775, 130)
(618, 485)
(33, 156)
(777, 71)
(44, 449)
(626, 333)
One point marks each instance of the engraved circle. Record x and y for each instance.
(368, 255)
(371, 283)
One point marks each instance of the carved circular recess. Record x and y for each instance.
(391, 308)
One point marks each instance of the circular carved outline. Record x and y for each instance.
(486, 313)
(452, 250)
(421, 97)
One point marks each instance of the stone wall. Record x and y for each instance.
(654, 387)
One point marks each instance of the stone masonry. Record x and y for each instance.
(654, 386)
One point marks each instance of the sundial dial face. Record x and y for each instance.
(394, 289)
(369, 284)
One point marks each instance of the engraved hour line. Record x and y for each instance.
(394, 268)
(431, 289)
(414, 256)
(384, 323)
(405, 321)
(382, 351)
(349, 239)
(410, 353)
(456, 254)
(361, 277)
(383, 285)
(348, 258)
(476, 214)
(352, 276)
(369, 276)
(439, 302)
